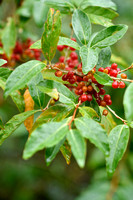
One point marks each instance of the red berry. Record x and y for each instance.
(84, 97)
(61, 59)
(81, 84)
(79, 79)
(70, 74)
(101, 69)
(94, 80)
(115, 84)
(107, 97)
(76, 92)
(71, 65)
(58, 73)
(118, 69)
(114, 66)
(60, 47)
(64, 77)
(96, 95)
(113, 73)
(74, 39)
(102, 91)
(122, 84)
(74, 56)
(72, 80)
(109, 102)
(89, 97)
(80, 91)
(79, 68)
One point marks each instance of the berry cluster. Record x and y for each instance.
(21, 53)
(85, 86)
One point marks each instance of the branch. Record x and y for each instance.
(117, 116)
(74, 114)
(46, 106)
(121, 79)
(125, 69)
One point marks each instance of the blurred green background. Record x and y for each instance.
(32, 180)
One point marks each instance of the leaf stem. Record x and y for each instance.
(117, 116)
(74, 114)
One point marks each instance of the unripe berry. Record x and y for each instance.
(113, 73)
(108, 68)
(62, 66)
(103, 103)
(114, 66)
(52, 102)
(60, 47)
(105, 112)
(58, 73)
(90, 88)
(84, 88)
(89, 75)
(84, 98)
(81, 84)
(115, 84)
(85, 79)
(122, 84)
(79, 68)
(123, 76)
(106, 71)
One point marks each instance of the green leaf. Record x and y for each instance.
(128, 103)
(109, 36)
(49, 74)
(66, 152)
(50, 92)
(78, 146)
(1, 124)
(16, 96)
(55, 113)
(68, 42)
(2, 62)
(102, 78)
(89, 113)
(26, 9)
(1, 51)
(131, 124)
(13, 124)
(118, 140)
(99, 15)
(5, 72)
(65, 95)
(22, 75)
(46, 135)
(9, 37)
(35, 93)
(36, 45)
(99, 3)
(51, 153)
(104, 57)
(40, 11)
(89, 58)
(63, 5)
(95, 106)
(51, 34)
(81, 26)
(107, 121)
(94, 132)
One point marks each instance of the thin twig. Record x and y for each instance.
(46, 106)
(121, 79)
(74, 114)
(125, 69)
(117, 116)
